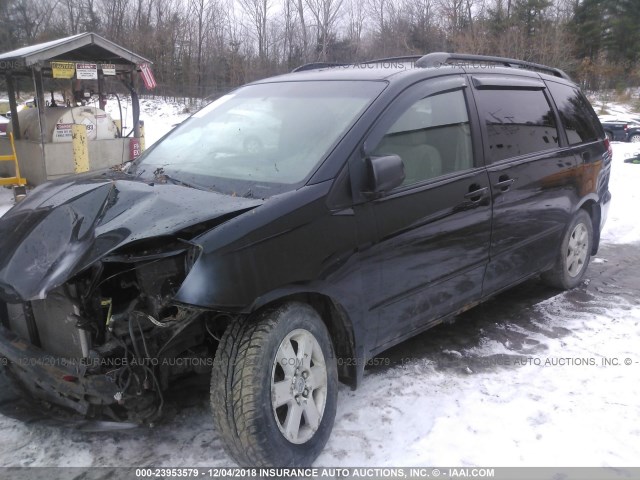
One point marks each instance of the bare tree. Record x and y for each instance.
(453, 11)
(423, 35)
(203, 14)
(91, 19)
(303, 29)
(32, 17)
(258, 13)
(378, 13)
(325, 13)
(204, 46)
(73, 16)
(114, 14)
(291, 50)
(356, 17)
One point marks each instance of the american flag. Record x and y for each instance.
(147, 76)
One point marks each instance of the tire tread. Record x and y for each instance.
(236, 402)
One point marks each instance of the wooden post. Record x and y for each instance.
(135, 105)
(80, 148)
(11, 91)
(37, 83)
(142, 144)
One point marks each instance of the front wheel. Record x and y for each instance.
(574, 255)
(274, 388)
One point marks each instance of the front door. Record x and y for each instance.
(433, 231)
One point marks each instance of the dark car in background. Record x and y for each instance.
(633, 133)
(621, 131)
(390, 196)
(634, 128)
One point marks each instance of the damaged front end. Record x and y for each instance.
(109, 341)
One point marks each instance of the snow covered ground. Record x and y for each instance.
(612, 111)
(622, 225)
(6, 200)
(615, 111)
(518, 381)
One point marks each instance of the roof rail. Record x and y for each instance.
(405, 58)
(439, 58)
(316, 65)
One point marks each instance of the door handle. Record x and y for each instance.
(504, 183)
(477, 194)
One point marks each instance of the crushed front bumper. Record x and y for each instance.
(60, 381)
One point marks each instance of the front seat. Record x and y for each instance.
(421, 161)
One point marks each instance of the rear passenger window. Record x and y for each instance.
(577, 116)
(518, 122)
(432, 137)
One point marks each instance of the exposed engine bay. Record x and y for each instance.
(117, 322)
(89, 273)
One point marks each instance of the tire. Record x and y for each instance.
(635, 138)
(259, 384)
(253, 145)
(574, 254)
(609, 136)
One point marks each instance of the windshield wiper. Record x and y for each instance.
(161, 177)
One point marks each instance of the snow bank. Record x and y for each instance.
(622, 225)
(615, 111)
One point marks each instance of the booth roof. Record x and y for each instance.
(83, 47)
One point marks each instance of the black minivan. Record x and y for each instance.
(357, 206)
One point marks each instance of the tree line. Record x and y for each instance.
(203, 47)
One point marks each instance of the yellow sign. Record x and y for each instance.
(63, 69)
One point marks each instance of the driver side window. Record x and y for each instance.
(432, 137)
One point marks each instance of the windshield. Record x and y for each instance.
(260, 139)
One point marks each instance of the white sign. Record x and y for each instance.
(86, 71)
(108, 69)
(91, 128)
(62, 132)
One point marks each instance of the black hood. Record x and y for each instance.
(66, 226)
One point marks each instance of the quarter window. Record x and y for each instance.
(577, 116)
(518, 122)
(432, 137)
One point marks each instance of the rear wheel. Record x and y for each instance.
(574, 255)
(274, 388)
(635, 138)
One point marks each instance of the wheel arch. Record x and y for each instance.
(337, 321)
(592, 207)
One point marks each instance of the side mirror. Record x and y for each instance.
(385, 173)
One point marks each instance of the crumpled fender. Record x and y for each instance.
(66, 226)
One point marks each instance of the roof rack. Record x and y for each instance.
(315, 65)
(405, 58)
(439, 58)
